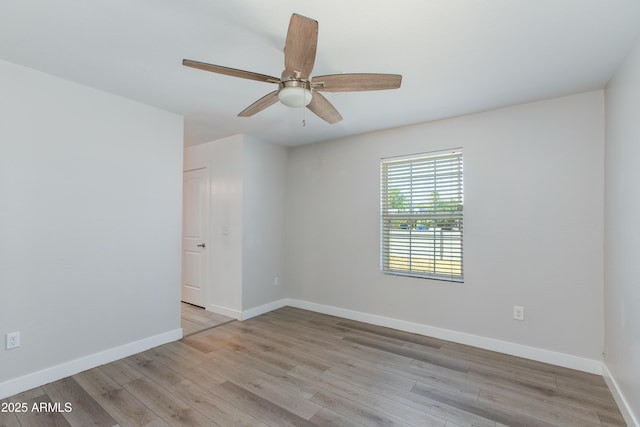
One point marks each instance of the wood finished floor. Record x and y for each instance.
(292, 367)
(195, 319)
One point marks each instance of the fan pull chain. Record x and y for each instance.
(304, 112)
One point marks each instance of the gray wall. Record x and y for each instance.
(533, 225)
(622, 242)
(264, 212)
(90, 223)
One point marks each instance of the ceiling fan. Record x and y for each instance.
(295, 87)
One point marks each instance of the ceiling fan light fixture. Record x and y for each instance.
(295, 94)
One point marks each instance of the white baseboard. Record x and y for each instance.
(55, 373)
(229, 312)
(532, 353)
(625, 408)
(265, 308)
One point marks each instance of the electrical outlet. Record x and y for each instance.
(518, 312)
(276, 281)
(13, 340)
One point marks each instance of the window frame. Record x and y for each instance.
(430, 252)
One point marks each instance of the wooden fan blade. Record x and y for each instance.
(322, 108)
(230, 71)
(301, 45)
(266, 101)
(356, 82)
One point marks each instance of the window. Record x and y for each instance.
(421, 202)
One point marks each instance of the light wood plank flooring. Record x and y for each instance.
(293, 367)
(195, 319)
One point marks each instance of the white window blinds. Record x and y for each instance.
(422, 203)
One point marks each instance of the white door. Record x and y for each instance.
(195, 226)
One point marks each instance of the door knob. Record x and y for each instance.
(201, 245)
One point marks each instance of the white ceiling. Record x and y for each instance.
(456, 56)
